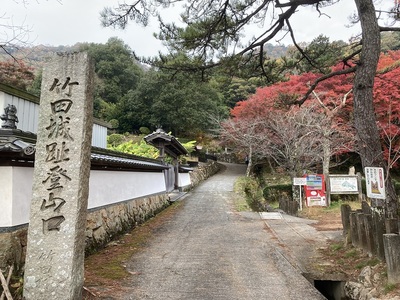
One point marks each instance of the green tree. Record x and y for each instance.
(184, 105)
(134, 110)
(390, 41)
(35, 87)
(319, 56)
(117, 73)
(237, 89)
(180, 104)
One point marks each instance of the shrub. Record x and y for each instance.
(249, 188)
(115, 139)
(114, 123)
(144, 130)
(273, 193)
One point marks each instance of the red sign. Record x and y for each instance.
(315, 190)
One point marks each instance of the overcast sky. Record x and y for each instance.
(66, 22)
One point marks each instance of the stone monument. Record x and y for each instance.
(54, 266)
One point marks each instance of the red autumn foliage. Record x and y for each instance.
(277, 99)
(387, 104)
(16, 74)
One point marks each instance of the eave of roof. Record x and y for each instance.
(171, 145)
(185, 169)
(103, 161)
(18, 148)
(18, 142)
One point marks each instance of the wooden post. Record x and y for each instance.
(360, 194)
(5, 283)
(379, 231)
(354, 232)
(392, 255)
(345, 214)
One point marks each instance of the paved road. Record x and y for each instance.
(210, 252)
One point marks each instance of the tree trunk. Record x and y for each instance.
(250, 161)
(368, 139)
(326, 155)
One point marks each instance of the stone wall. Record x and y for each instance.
(203, 171)
(365, 229)
(13, 248)
(104, 224)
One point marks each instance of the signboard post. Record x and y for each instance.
(375, 184)
(300, 181)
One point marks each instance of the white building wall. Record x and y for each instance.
(2, 102)
(109, 187)
(22, 194)
(6, 196)
(184, 180)
(105, 188)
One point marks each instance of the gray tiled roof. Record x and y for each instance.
(126, 162)
(171, 145)
(18, 145)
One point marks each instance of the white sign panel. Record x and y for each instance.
(375, 183)
(299, 181)
(343, 184)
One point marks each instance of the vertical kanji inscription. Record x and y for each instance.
(56, 241)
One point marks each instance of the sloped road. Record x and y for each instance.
(210, 252)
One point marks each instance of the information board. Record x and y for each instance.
(299, 181)
(343, 184)
(375, 183)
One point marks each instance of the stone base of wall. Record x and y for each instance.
(104, 224)
(203, 171)
(13, 249)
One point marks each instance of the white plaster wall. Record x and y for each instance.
(184, 180)
(6, 187)
(108, 187)
(22, 194)
(105, 188)
(2, 102)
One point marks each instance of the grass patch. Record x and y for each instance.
(274, 204)
(346, 258)
(249, 189)
(241, 204)
(370, 262)
(389, 287)
(351, 253)
(336, 247)
(320, 212)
